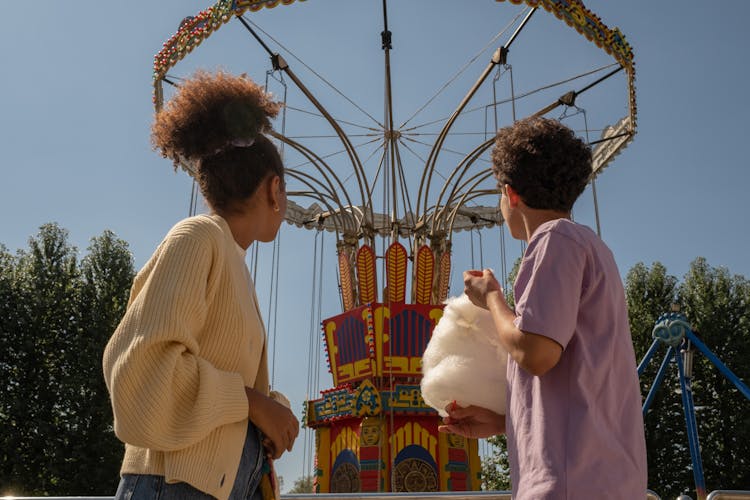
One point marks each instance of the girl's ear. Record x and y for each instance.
(275, 188)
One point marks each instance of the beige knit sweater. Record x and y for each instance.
(177, 365)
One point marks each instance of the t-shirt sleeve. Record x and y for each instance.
(548, 287)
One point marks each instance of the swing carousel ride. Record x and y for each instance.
(395, 191)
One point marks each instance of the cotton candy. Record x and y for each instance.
(464, 361)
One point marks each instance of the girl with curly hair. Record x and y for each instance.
(573, 421)
(187, 368)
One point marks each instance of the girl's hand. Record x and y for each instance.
(277, 422)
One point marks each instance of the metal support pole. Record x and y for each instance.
(647, 358)
(659, 377)
(692, 429)
(718, 364)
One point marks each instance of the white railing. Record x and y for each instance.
(472, 495)
(483, 495)
(729, 495)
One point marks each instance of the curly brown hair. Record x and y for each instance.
(218, 122)
(544, 162)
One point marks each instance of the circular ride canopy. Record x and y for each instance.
(388, 121)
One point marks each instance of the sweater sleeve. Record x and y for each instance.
(164, 395)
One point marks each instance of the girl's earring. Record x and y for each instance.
(275, 208)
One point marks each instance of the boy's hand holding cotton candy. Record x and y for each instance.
(464, 361)
(473, 422)
(478, 284)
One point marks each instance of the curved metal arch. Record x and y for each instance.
(477, 179)
(193, 30)
(351, 151)
(304, 178)
(567, 99)
(468, 196)
(317, 162)
(318, 197)
(426, 180)
(498, 57)
(463, 167)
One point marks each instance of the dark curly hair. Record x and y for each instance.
(218, 122)
(544, 162)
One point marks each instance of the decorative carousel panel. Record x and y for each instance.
(336, 404)
(405, 399)
(350, 346)
(396, 260)
(366, 275)
(406, 330)
(345, 474)
(424, 269)
(373, 454)
(322, 479)
(455, 471)
(367, 401)
(347, 282)
(415, 466)
(444, 277)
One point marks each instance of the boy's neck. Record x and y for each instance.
(534, 217)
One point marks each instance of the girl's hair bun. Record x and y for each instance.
(210, 112)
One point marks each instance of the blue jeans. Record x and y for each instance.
(149, 487)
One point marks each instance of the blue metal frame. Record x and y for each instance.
(673, 330)
(658, 380)
(647, 358)
(718, 364)
(686, 386)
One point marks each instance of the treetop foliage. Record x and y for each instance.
(56, 315)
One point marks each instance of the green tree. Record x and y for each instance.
(9, 376)
(717, 306)
(651, 292)
(46, 295)
(303, 484)
(495, 475)
(56, 317)
(106, 276)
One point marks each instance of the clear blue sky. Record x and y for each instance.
(76, 110)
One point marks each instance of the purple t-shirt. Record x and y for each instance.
(576, 431)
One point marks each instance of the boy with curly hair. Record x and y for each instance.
(573, 422)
